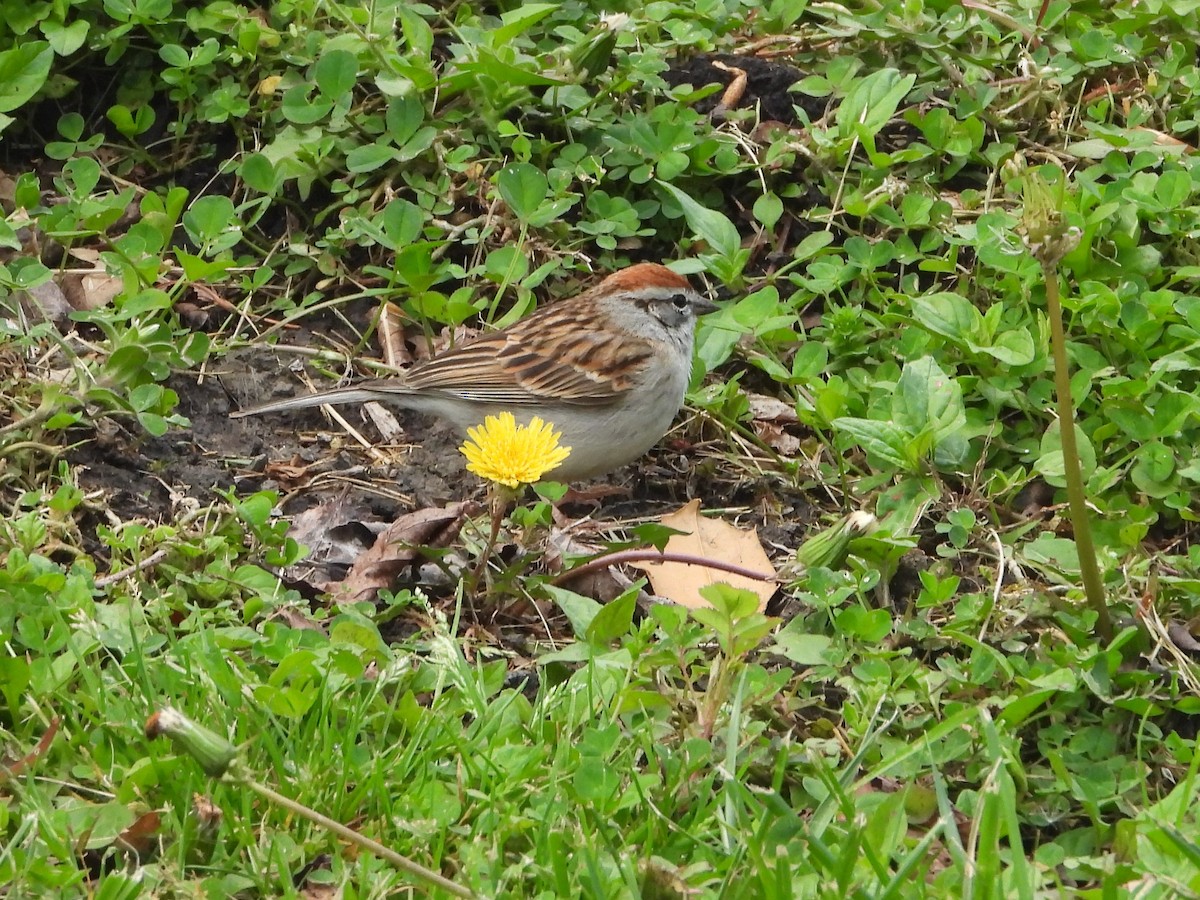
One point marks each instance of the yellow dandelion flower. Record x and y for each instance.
(500, 450)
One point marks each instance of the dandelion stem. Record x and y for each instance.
(1093, 585)
(498, 499)
(349, 834)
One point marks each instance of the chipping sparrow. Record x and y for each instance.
(607, 368)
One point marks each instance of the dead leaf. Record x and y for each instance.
(661, 878)
(209, 296)
(89, 255)
(397, 548)
(193, 317)
(8, 192)
(771, 419)
(291, 472)
(45, 303)
(423, 349)
(391, 336)
(385, 422)
(771, 409)
(205, 817)
(207, 813)
(1165, 140)
(10, 768)
(335, 531)
(1182, 637)
(142, 836)
(294, 618)
(710, 539)
(91, 290)
(317, 889)
(603, 584)
(783, 443)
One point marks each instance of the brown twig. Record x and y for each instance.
(733, 91)
(622, 557)
(153, 559)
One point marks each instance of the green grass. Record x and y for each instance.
(939, 715)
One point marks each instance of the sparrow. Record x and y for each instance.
(607, 368)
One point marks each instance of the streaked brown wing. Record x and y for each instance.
(554, 354)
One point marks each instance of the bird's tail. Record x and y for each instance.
(351, 394)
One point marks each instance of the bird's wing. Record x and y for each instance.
(554, 355)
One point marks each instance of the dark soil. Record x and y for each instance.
(767, 84)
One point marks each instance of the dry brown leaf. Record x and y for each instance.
(89, 255)
(192, 317)
(45, 303)
(1182, 636)
(385, 422)
(8, 192)
(294, 618)
(782, 442)
(603, 584)
(423, 349)
(391, 337)
(207, 813)
(142, 836)
(335, 531)
(771, 418)
(289, 473)
(397, 548)
(1162, 139)
(91, 290)
(771, 409)
(710, 539)
(99, 289)
(209, 296)
(10, 768)
(320, 891)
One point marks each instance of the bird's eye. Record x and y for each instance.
(681, 302)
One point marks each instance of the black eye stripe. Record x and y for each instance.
(679, 301)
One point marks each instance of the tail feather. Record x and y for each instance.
(350, 394)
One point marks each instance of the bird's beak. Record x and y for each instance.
(703, 305)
